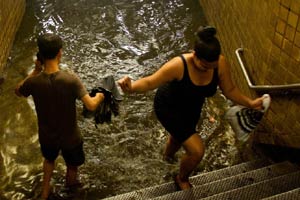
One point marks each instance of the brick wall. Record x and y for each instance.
(269, 32)
(11, 12)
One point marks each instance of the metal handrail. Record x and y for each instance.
(262, 87)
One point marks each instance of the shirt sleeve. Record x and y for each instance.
(80, 89)
(25, 88)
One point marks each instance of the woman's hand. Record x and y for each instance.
(257, 103)
(125, 84)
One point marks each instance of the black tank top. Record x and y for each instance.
(184, 96)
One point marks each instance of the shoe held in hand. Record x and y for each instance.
(244, 120)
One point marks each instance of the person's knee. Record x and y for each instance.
(197, 154)
(194, 148)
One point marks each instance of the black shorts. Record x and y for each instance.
(74, 157)
(180, 126)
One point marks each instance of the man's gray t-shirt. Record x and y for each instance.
(55, 97)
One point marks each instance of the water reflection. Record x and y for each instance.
(104, 37)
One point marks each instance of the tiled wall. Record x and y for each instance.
(11, 12)
(269, 32)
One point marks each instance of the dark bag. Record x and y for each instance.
(109, 106)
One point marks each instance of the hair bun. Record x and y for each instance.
(206, 32)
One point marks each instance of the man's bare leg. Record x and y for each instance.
(48, 167)
(71, 175)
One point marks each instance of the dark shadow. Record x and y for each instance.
(279, 153)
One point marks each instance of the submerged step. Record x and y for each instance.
(262, 189)
(160, 190)
(233, 182)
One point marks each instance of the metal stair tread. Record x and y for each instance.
(233, 182)
(289, 195)
(163, 189)
(262, 189)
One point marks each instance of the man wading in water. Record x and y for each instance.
(54, 93)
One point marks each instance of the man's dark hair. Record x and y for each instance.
(39, 57)
(49, 45)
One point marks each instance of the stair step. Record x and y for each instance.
(160, 190)
(262, 189)
(290, 195)
(233, 182)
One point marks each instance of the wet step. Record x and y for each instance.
(290, 195)
(262, 189)
(204, 178)
(233, 182)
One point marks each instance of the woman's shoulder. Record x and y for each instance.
(224, 67)
(222, 58)
(187, 55)
(179, 60)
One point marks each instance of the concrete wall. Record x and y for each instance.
(269, 31)
(11, 13)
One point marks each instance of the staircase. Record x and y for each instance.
(258, 179)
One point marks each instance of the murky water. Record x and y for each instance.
(116, 37)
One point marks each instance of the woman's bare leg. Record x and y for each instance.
(172, 146)
(194, 148)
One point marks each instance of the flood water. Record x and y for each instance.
(118, 37)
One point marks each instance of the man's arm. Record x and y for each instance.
(38, 68)
(91, 103)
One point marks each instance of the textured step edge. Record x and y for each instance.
(262, 189)
(229, 171)
(159, 190)
(289, 195)
(233, 182)
(209, 177)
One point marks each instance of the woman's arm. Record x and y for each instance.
(169, 71)
(230, 90)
